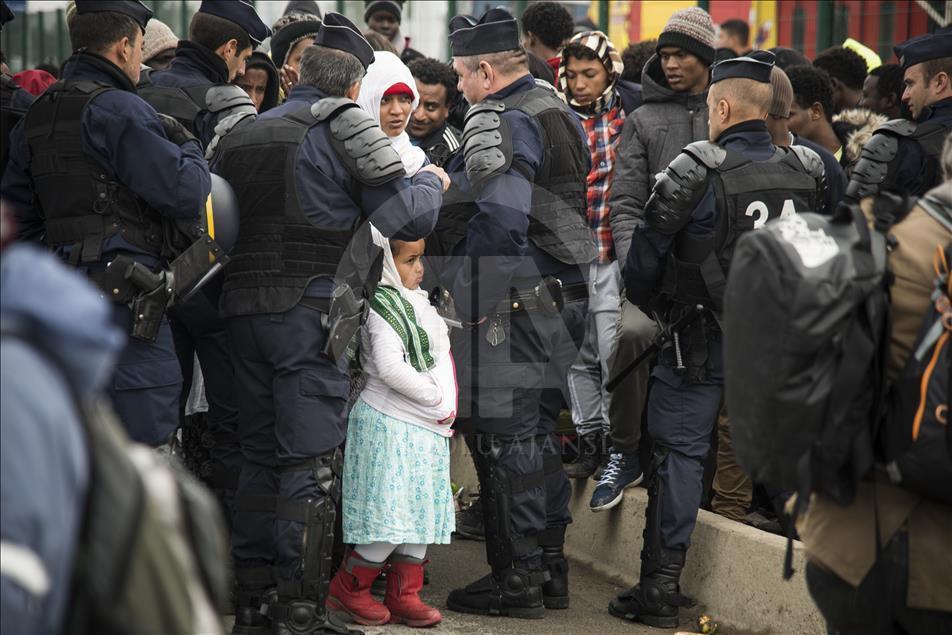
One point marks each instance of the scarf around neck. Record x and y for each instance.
(606, 53)
(391, 301)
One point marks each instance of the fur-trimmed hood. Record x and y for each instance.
(854, 127)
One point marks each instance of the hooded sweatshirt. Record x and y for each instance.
(386, 71)
(395, 387)
(44, 463)
(653, 135)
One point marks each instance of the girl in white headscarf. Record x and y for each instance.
(397, 497)
(388, 93)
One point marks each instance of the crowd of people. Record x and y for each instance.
(345, 253)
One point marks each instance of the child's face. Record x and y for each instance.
(408, 256)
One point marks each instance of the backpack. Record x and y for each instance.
(805, 325)
(916, 439)
(152, 545)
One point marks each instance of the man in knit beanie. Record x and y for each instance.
(384, 17)
(673, 114)
(158, 46)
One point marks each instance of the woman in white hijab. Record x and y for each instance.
(388, 93)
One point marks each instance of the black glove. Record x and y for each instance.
(175, 131)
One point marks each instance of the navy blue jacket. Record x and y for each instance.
(44, 462)
(910, 157)
(406, 209)
(649, 247)
(195, 65)
(123, 135)
(835, 176)
(498, 231)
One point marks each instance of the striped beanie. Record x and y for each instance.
(690, 29)
(782, 93)
(607, 54)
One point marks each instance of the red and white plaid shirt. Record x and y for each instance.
(603, 133)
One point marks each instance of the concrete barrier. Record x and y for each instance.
(733, 570)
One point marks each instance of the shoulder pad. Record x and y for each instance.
(677, 191)
(328, 106)
(228, 97)
(872, 168)
(898, 127)
(363, 147)
(487, 142)
(810, 160)
(707, 152)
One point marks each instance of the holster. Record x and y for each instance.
(346, 314)
(149, 294)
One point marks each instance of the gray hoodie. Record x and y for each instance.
(653, 135)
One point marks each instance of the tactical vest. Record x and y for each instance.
(748, 194)
(278, 250)
(81, 204)
(182, 104)
(876, 168)
(558, 222)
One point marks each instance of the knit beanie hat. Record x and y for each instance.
(782, 93)
(393, 7)
(158, 37)
(690, 29)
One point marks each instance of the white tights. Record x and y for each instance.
(380, 551)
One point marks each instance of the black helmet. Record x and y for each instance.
(221, 214)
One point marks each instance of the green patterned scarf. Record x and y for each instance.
(398, 312)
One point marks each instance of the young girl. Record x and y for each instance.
(397, 497)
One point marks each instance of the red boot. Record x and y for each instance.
(350, 591)
(404, 581)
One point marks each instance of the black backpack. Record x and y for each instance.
(805, 325)
(916, 436)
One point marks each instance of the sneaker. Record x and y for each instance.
(469, 522)
(623, 471)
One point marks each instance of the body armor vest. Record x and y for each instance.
(278, 250)
(558, 222)
(748, 194)
(182, 104)
(81, 204)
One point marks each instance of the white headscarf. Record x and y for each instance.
(387, 70)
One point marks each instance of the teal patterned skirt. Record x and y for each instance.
(396, 481)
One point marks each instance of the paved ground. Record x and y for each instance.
(462, 562)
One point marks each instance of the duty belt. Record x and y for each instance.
(549, 296)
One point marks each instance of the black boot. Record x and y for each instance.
(304, 617)
(555, 592)
(656, 599)
(505, 593)
(251, 611)
(589, 456)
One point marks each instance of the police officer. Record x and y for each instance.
(903, 156)
(14, 101)
(98, 175)
(518, 241)
(306, 174)
(196, 90)
(712, 192)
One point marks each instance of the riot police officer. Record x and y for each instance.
(116, 188)
(307, 174)
(197, 91)
(903, 156)
(711, 193)
(516, 238)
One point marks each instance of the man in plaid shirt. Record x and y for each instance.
(590, 83)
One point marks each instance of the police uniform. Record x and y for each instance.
(94, 174)
(902, 155)
(514, 242)
(195, 90)
(710, 194)
(307, 174)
